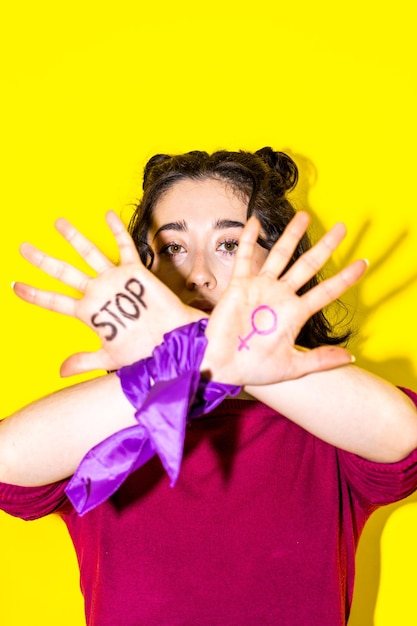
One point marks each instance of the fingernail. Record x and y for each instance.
(352, 358)
(12, 284)
(367, 261)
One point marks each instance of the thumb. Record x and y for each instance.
(321, 359)
(82, 362)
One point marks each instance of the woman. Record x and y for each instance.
(276, 484)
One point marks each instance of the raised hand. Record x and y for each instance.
(253, 329)
(125, 304)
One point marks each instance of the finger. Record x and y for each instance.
(243, 259)
(62, 271)
(308, 264)
(82, 362)
(46, 299)
(319, 360)
(329, 290)
(85, 248)
(127, 248)
(282, 251)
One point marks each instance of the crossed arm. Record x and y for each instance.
(131, 310)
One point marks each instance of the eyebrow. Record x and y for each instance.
(182, 226)
(220, 224)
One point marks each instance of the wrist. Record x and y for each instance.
(217, 365)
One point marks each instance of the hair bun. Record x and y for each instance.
(282, 164)
(157, 159)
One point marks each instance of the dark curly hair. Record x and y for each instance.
(263, 179)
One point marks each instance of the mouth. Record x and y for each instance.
(202, 305)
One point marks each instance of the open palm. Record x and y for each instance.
(253, 329)
(125, 304)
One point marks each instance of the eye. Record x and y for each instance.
(229, 246)
(172, 249)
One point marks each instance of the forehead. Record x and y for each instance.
(208, 199)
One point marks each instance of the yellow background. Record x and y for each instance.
(90, 93)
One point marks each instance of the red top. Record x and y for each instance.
(261, 527)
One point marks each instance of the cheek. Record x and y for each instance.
(223, 279)
(222, 268)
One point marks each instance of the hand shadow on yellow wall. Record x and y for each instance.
(399, 371)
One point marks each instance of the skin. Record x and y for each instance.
(318, 389)
(194, 256)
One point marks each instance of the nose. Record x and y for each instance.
(200, 274)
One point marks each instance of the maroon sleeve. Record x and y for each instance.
(31, 503)
(380, 483)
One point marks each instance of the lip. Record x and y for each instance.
(202, 305)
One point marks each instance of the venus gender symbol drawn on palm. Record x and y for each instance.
(271, 327)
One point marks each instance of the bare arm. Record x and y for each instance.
(319, 389)
(349, 408)
(130, 310)
(46, 440)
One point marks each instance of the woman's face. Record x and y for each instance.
(194, 233)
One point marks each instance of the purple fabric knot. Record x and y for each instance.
(164, 389)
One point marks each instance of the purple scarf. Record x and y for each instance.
(165, 390)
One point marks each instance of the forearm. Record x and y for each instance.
(349, 408)
(45, 441)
